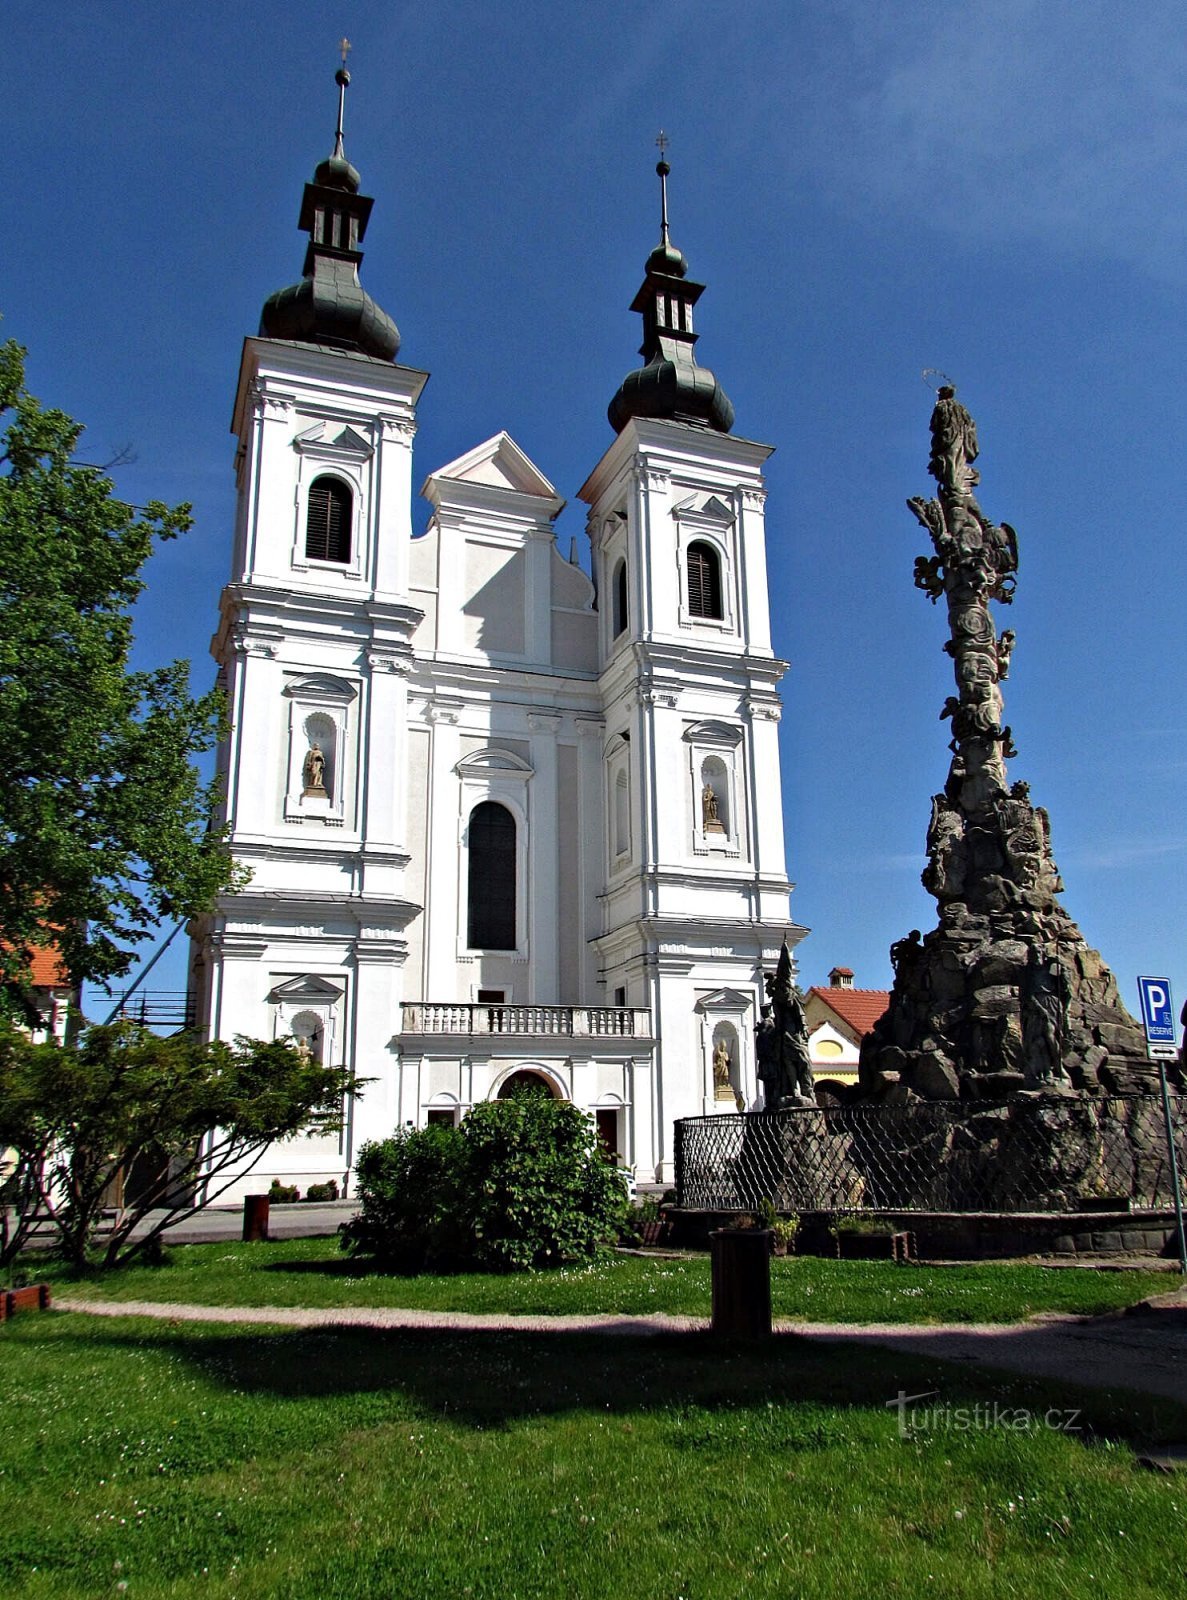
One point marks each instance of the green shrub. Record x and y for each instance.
(538, 1189)
(521, 1183)
(283, 1194)
(407, 1186)
(322, 1191)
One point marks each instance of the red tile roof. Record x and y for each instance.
(860, 1008)
(46, 970)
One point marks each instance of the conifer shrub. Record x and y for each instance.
(521, 1183)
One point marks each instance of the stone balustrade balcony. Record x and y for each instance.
(596, 1022)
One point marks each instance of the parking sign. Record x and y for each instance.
(1158, 1017)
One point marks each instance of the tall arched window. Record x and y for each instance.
(490, 899)
(619, 609)
(704, 581)
(327, 521)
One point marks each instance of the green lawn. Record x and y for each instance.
(152, 1460)
(314, 1272)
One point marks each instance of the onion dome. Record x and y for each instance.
(670, 384)
(329, 305)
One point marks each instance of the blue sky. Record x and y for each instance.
(996, 190)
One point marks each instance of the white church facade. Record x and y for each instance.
(503, 823)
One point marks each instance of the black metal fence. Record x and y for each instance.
(1020, 1155)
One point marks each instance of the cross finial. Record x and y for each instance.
(342, 79)
(662, 168)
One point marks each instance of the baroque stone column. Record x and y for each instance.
(1003, 995)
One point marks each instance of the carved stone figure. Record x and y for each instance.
(710, 818)
(769, 1061)
(723, 1089)
(953, 442)
(314, 771)
(1005, 649)
(781, 1041)
(944, 874)
(1044, 1008)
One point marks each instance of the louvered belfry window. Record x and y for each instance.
(327, 524)
(704, 581)
(490, 921)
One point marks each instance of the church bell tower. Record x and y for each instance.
(696, 892)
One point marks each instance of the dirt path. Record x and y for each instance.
(1144, 1349)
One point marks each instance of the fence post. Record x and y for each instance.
(1174, 1160)
(679, 1167)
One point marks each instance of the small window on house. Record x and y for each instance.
(619, 607)
(490, 920)
(327, 521)
(704, 581)
(441, 1116)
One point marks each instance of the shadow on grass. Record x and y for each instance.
(493, 1379)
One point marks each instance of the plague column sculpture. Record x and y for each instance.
(1003, 995)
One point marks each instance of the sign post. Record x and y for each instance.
(1158, 1019)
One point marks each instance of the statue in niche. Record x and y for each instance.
(710, 816)
(723, 1088)
(313, 772)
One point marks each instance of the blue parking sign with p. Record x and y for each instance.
(1157, 1011)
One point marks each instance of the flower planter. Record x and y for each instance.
(875, 1246)
(35, 1297)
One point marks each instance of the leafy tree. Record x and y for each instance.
(104, 822)
(184, 1117)
(521, 1183)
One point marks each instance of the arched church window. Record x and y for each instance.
(620, 599)
(327, 521)
(490, 919)
(704, 581)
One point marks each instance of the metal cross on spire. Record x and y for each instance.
(342, 79)
(662, 168)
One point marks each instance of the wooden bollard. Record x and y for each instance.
(255, 1217)
(741, 1282)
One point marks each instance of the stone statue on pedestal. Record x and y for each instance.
(781, 1043)
(314, 771)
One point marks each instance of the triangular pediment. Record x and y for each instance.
(499, 463)
(305, 989)
(707, 507)
(730, 1000)
(332, 438)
